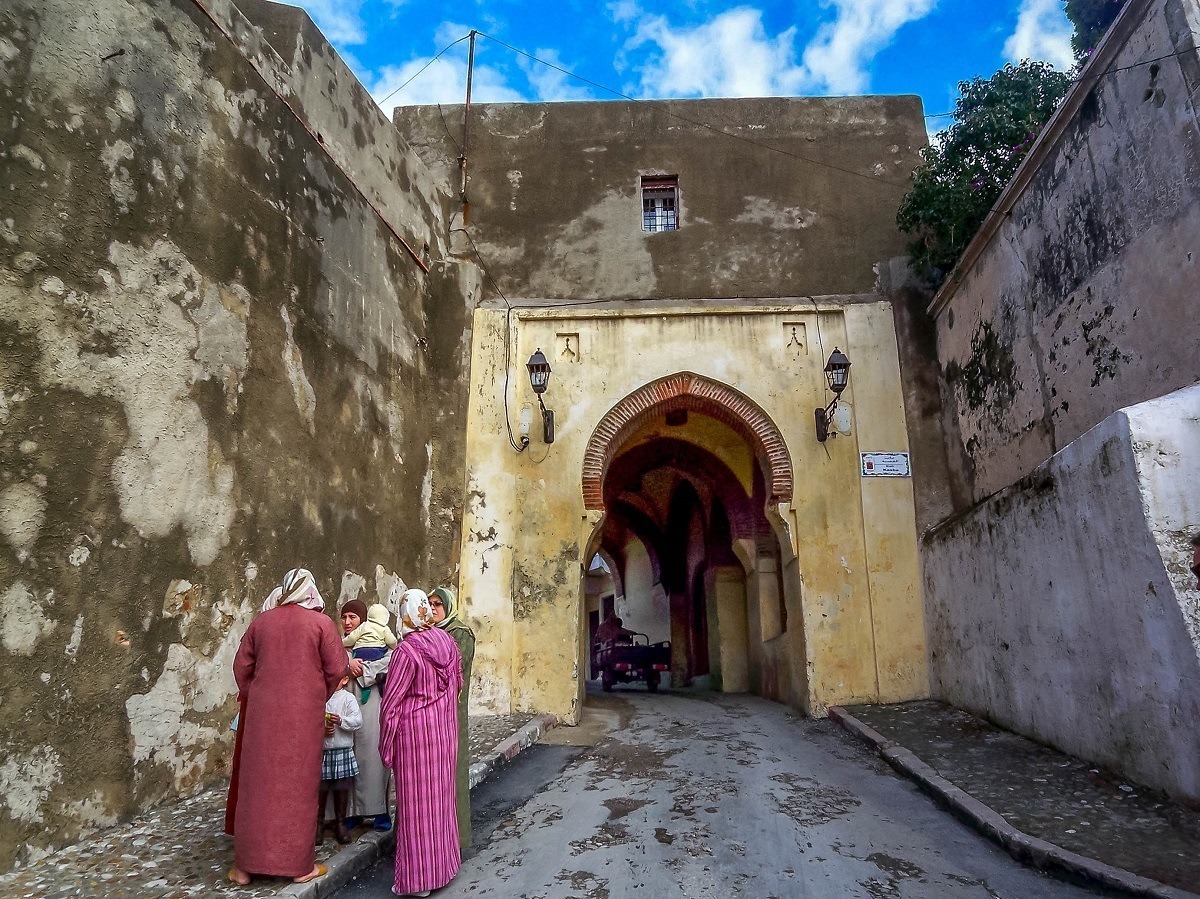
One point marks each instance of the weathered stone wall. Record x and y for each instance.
(776, 259)
(217, 361)
(1063, 606)
(1081, 300)
(555, 197)
(1074, 301)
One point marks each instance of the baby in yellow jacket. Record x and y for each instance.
(371, 640)
(373, 633)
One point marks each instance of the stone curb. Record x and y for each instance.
(1028, 850)
(348, 863)
(507, 750)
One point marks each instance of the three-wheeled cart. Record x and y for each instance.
(633, 658)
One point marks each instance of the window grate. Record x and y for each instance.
(659, 203)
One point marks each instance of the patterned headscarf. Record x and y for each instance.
(416, 614)
(297, 587)
(450, 604)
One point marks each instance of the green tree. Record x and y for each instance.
(967, 166)
(1091, 19)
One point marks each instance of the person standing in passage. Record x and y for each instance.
(612, 631)
(289, 663)
(371, 787)
(418, 740)
(445, 615)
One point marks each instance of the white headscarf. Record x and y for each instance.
(416, 614)
(297, 587)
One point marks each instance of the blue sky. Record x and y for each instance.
(693, 48)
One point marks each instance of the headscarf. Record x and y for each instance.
(357, 606)
(435, 654)
(395, 596)
(416, 614)
(297, 587)
(450, 604)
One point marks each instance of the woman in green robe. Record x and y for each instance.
(445, 615)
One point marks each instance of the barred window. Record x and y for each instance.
(660, 208)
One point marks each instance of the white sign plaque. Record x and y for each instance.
(886, 465)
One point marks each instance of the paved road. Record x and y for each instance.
(715, 796)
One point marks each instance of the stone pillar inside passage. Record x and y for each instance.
(726, 587)
(770, 606)
(681, 640)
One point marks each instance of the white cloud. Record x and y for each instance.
(732, 55)
(550, 84)
(443, 82)
(624, 10)
(339, 20)
(1043, 32)
(837, 57)
(449, 32)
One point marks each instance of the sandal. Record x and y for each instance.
(229, 876)
(320, 871)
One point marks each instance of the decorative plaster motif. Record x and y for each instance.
(568, 348)
(694, 392)
(796, 346)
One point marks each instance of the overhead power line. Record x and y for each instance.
(665, 105)
(414, 75)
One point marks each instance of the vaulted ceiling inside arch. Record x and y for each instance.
(696, 456)
(718, 438)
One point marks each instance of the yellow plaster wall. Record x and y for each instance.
(893, 565)
(854, 601)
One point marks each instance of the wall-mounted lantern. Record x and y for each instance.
(837, 373)
(539, 380)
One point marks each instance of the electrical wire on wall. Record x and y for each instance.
(821, 350)
(509, 306)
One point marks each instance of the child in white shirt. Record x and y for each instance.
(338, 764)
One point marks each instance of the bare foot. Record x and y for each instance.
(238, 876)
(317, 871)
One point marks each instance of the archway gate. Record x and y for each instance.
(716, 455)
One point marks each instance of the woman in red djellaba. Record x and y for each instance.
(418, 740)
(289, 663)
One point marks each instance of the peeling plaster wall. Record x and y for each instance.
(216, 362)
(1081, 303)
(555, 196)
(1077, 576)
(1059, 567)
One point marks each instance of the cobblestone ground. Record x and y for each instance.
(180, 850)
(1061, 799)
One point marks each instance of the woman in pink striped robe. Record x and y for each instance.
(418, 740)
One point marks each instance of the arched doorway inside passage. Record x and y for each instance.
(683, 478)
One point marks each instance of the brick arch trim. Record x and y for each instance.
(697, 393)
